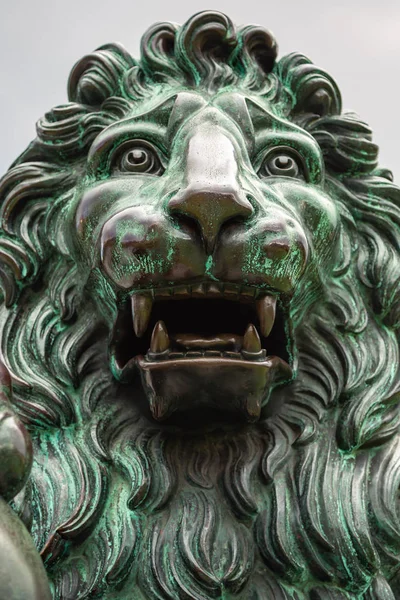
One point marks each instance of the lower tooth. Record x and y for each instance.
(251, 349)
(232, 354)
(159, 338)
(251, 340)
(174, 355)
(252, 356)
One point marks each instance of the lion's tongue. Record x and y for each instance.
(161, 341)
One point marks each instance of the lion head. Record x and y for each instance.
(200, 266)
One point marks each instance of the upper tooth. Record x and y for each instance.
(231, 291)
(266, 309)
(181, 291)
(141, 311)
(159, 338)
(248, 292)
(163, 292)
(251, 340)
(198, 289)
(213, 289)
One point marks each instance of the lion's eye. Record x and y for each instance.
(139, 158)
(281, 164)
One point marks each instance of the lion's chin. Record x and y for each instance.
(224, 384)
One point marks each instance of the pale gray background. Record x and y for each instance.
(357, 41)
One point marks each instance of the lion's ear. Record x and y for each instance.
(98, 76)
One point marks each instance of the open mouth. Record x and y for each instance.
(209, 344)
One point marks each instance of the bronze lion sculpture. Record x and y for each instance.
(200, 272)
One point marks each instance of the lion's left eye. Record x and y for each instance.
(140, 157)
(283, 164)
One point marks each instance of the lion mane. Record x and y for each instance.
(302, 505)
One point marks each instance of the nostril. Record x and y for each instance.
(230, 225)
(277, 249)
(237, 220)
(137, 252)
(186, 224)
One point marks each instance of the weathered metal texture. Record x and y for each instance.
(199, 262)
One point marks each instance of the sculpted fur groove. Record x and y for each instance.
(200, 275)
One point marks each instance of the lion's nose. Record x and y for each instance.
(209, 209)
(212, 194)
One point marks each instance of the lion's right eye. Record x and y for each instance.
(140, 157)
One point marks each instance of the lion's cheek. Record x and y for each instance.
(139, 247)
(319, 216)
(98, 203)
(272, 253)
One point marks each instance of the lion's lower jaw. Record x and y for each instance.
(242, 516)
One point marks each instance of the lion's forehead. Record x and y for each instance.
(251, 123)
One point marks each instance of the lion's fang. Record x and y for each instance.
(251, 340)
(266, 309)
(159, 338)
(141, 311)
